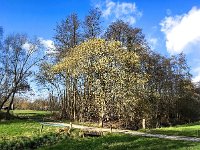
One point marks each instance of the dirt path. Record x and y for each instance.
(171, 137)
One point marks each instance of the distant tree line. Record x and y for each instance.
(48, 104)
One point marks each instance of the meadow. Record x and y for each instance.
(31, 114)
(190, 130)
(27, 133)
(121, 142)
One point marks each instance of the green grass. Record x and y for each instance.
(28, 134)
(22, 134)
(121, 142)
(14, 129)
(192, 130)
(31, 113)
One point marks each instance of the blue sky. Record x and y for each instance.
(170, 26)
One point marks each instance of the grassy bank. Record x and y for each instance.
(192, 130)
(121, 142)
(22, 134)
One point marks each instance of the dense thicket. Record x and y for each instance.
(116, 77)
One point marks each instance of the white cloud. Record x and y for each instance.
(197, 77)
(26, 46)
(29, 47)
(120, 10)
(182, 32)
(153, 42)
(110, 5)
(48, 45)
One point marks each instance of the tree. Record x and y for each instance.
(103, 64)
(92, 24)
(18, 57)
(51, 83)
(1, 69)
(67, 34)
(123, 32)
(119, 78)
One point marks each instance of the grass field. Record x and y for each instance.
(192, 130)
(26, 133)
(23, 133)
(122, 142)
(20, 134)
(31, 113)
(14, 129)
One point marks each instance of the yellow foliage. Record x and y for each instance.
(96, 55)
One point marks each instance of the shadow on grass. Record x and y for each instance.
(33, 116)
(188, 124)
(185, 132)
(6, 116)
(121, 142)
(13, 121)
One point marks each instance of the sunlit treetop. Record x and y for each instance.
(97, 55)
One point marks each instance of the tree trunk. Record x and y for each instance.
(11, 102)
(5, 100)
(101, 120)
(74, 100)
